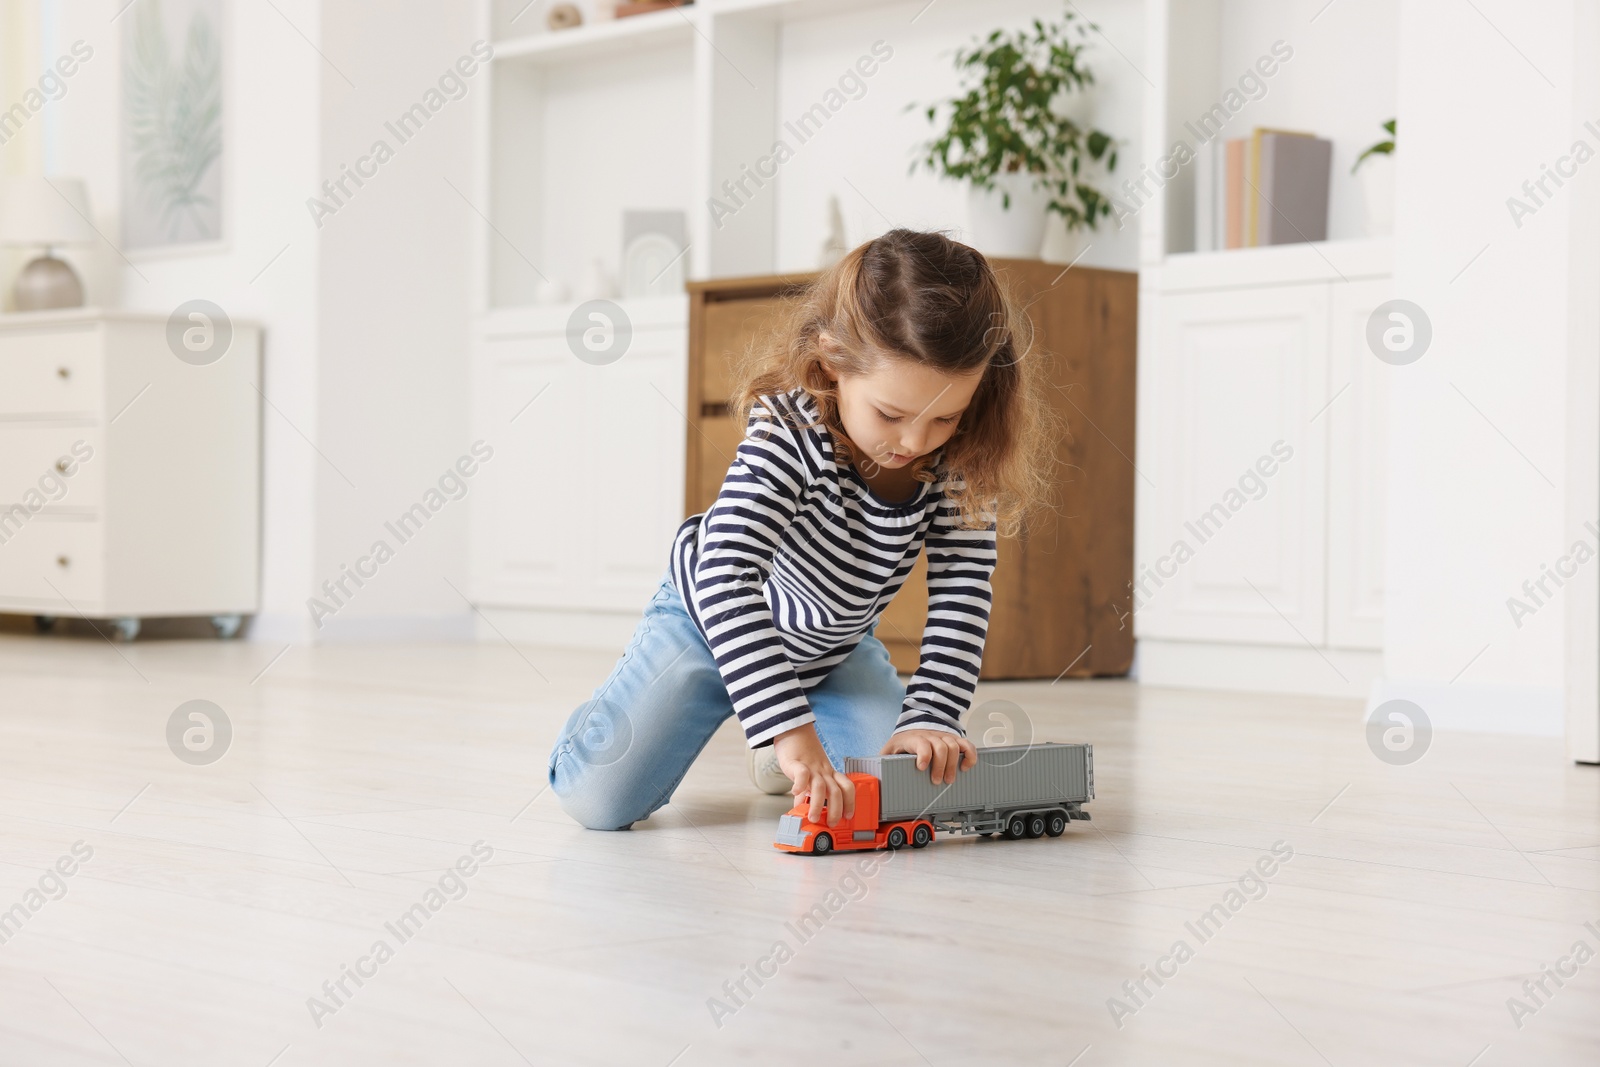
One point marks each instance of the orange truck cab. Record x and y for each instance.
(797, 833)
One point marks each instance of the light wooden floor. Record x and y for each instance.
(220, 898)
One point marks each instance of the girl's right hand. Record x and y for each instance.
(801, 757)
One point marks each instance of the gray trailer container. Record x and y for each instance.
(1010, 786)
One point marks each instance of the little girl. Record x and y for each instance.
(897, 407)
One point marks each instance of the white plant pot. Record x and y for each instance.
(1375, 180)
(1016, 232)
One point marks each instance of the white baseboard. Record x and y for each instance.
(1301, 670)
(597, 631)
(279, 627)
(1497, 709)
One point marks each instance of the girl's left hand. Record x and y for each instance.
(946, 753)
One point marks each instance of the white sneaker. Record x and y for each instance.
(764, 771)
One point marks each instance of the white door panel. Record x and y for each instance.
(577, 509)
(1234, 548)
(1357, 473)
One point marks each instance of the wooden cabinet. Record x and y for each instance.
(1060, 590)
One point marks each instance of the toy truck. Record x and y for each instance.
(1015, 790)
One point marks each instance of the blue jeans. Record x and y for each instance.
(622, 753)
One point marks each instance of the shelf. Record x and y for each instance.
(789, 10)
(1317, 261)
(609, 39)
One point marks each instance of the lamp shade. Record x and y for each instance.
(45, 211)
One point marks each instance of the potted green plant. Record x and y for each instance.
(1007, 136)
(1374, 174)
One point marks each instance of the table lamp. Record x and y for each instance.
(49, 212)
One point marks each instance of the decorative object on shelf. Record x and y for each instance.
(1008, 139)
(172, 140)
(1291, 187)
(1374, 174)
(1210, 196)
(47, 212)
(597, 282)
(1275, 190)
(602, 10)
(552, 291)
(833, 246)
(654, 247)
(629, 8)
(563, 17)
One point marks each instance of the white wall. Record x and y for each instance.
(1476, 426)
(271, 101)
(395, 275)
(870, 141)
(365, 317)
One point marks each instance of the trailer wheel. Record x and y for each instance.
(897, 837)
(1016, 828)
(1058, 824)
(921, 836)
(822, 844)
(1036, 825)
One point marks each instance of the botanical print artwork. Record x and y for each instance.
(172, 123)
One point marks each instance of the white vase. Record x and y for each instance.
(1016, 232)
(1375, 180)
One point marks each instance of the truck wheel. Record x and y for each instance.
(1016, 828)
(897, 837)
(921, 836)
(822, 844)
(1058, 824)
(1036, 825)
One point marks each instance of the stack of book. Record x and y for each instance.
(1270, 188)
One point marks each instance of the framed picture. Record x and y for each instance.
(172, 126)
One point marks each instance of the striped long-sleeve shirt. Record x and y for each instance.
(797, 558)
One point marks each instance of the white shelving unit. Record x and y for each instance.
(1241, 349)
(650, 113)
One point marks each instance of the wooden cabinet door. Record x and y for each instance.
(731, 327)
(1234, 373)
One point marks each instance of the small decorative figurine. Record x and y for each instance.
(564, 17)
(833, 246)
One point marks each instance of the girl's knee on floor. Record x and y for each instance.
(592, 800)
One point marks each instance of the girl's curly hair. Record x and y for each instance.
(923, 297)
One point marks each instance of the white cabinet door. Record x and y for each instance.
(1357, 477)
(577, 508)
(1233, 546)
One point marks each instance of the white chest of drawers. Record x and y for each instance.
(130, 479)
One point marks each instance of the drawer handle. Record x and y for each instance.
(63, 372)
(62, 464)
(63, 561)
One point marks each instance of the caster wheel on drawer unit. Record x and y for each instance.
(125, 628)
(227, 626)
(44, 623)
